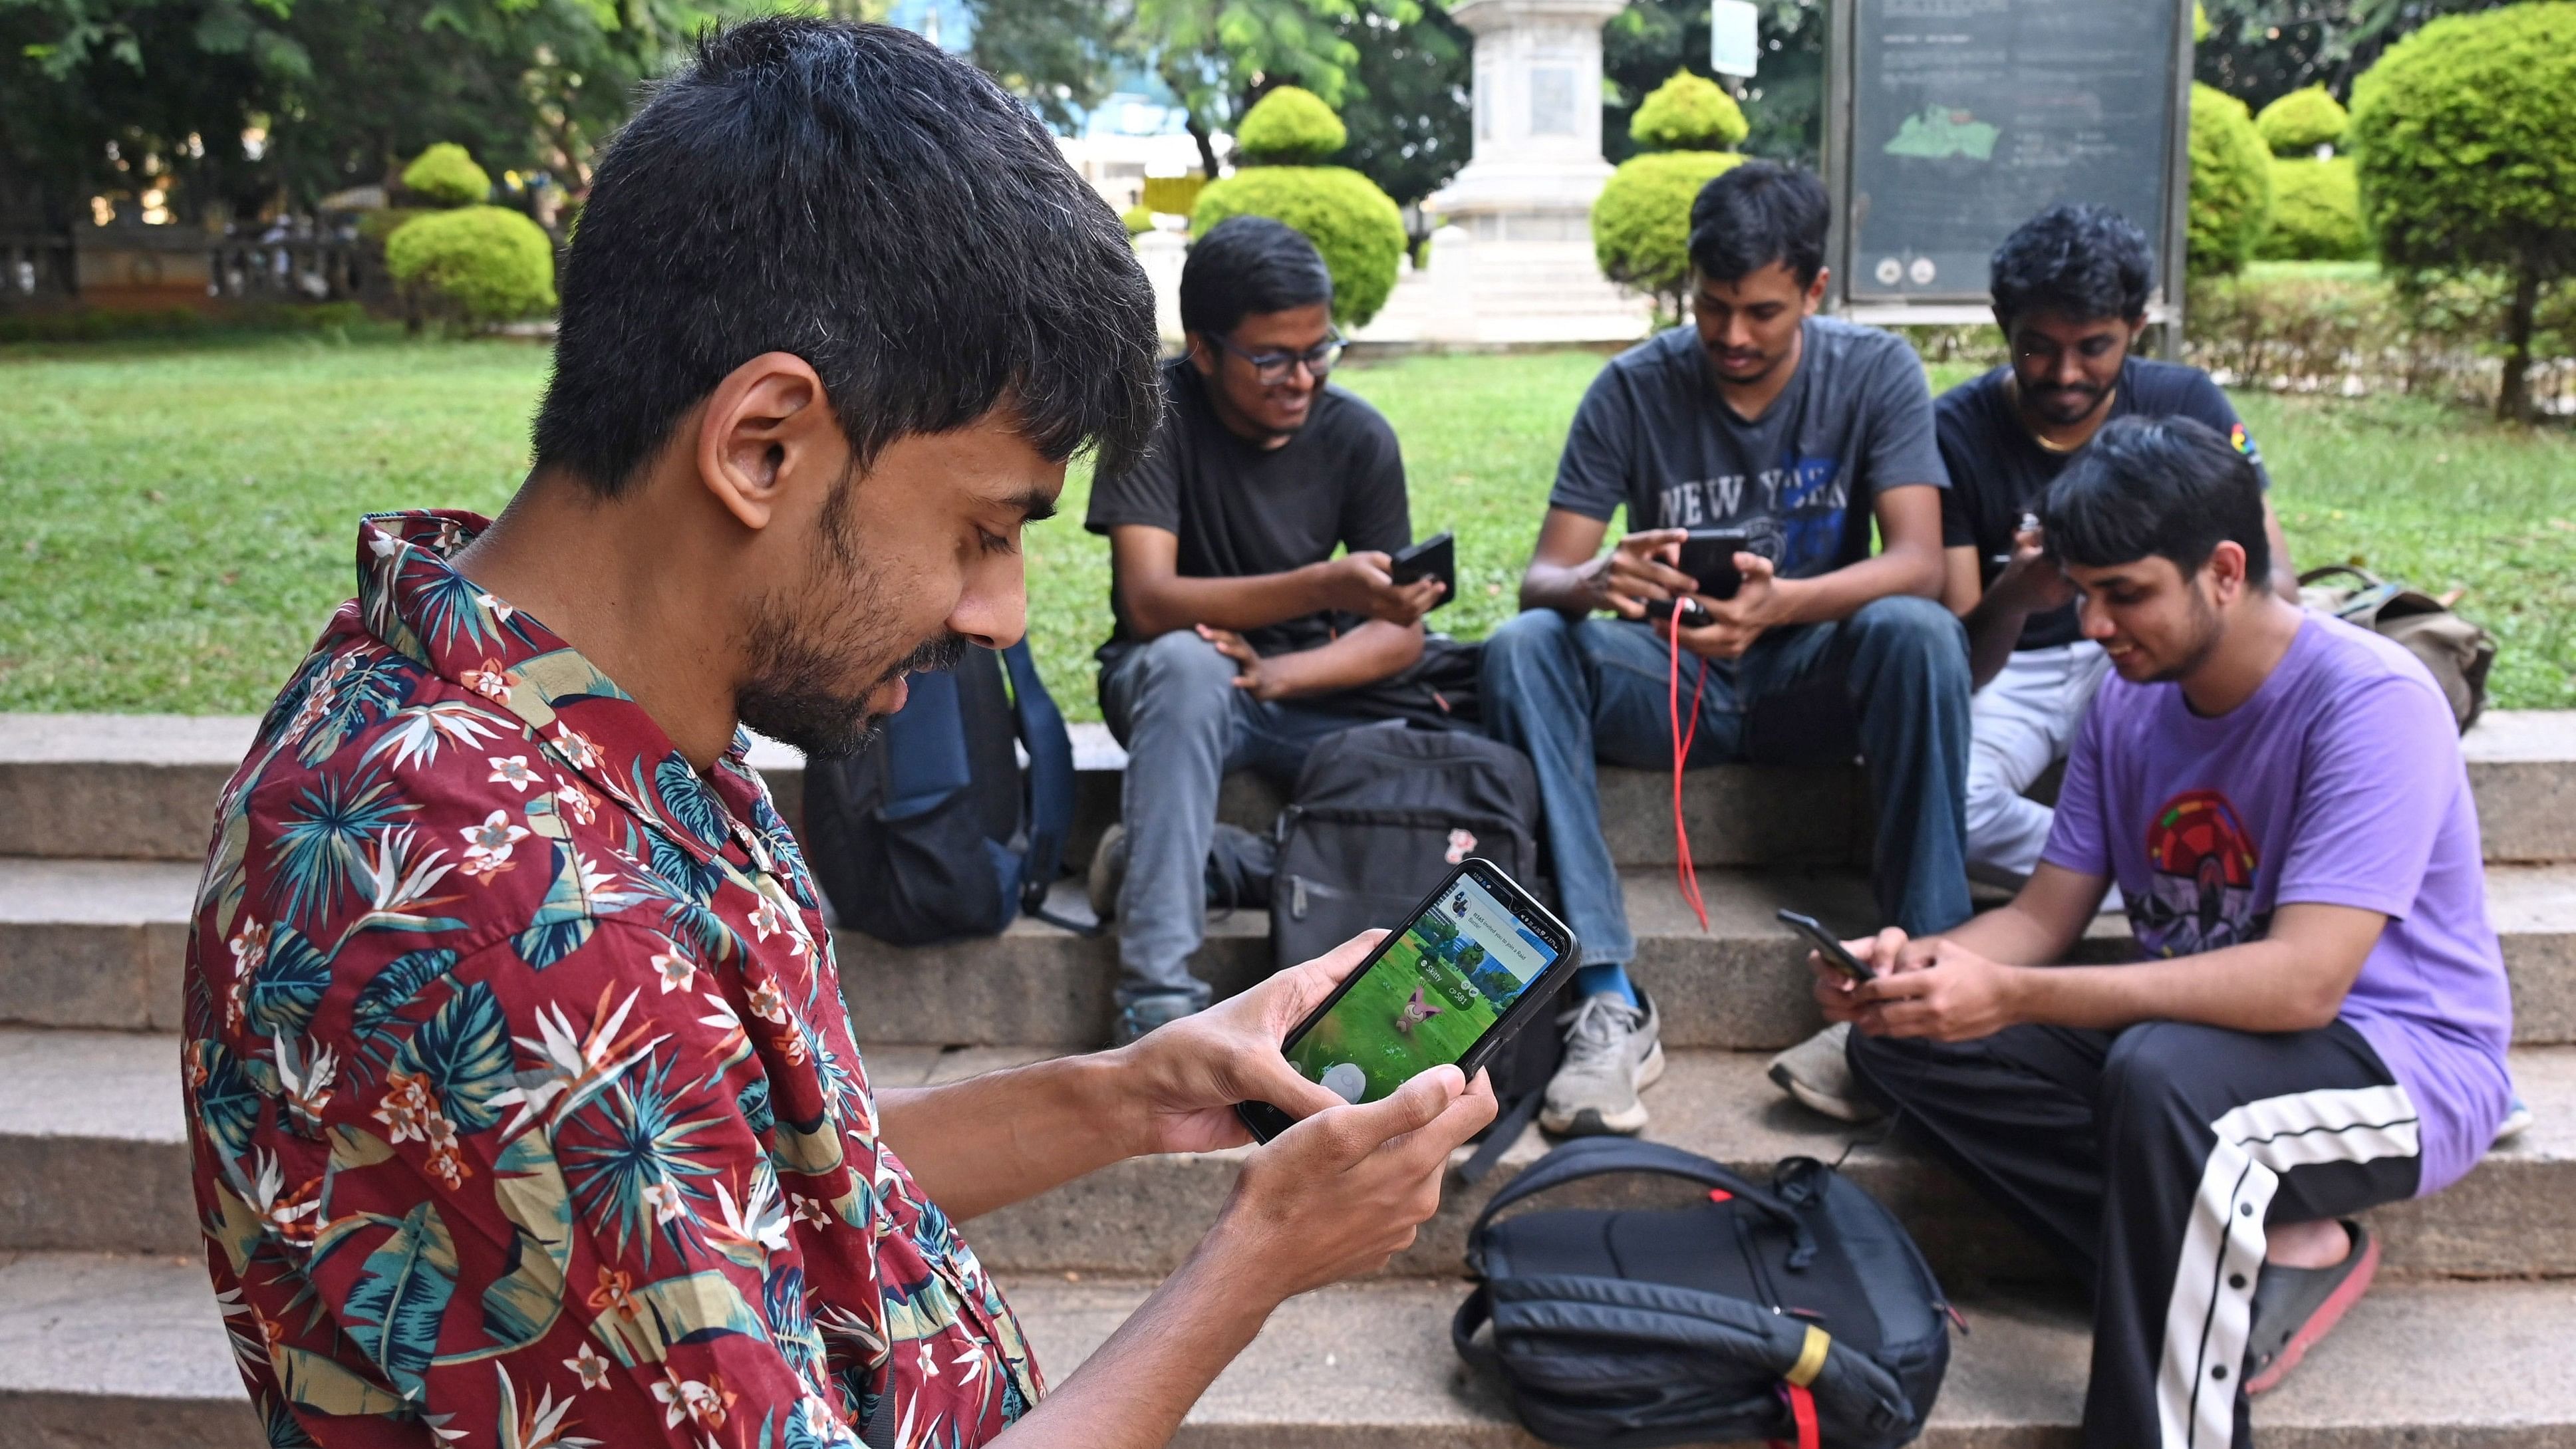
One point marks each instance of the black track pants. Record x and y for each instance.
(2152, 1158)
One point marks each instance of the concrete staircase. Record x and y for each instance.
(108, 1334)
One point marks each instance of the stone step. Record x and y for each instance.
(101, 943)
(142, 787)
(117, 1350)
(93, 1158)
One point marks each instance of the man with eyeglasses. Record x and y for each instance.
(1239, 636)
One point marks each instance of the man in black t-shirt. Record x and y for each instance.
(1801, 432)
(1239, 635)
(2070, 293)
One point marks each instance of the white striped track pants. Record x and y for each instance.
(2151, 1159)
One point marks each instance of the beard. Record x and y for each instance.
(797, 689)
(2206, 628)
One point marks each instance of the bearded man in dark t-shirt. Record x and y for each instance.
(1239, 635)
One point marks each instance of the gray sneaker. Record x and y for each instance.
(1108, 872)
(1816, 1073)
(1148, 1012)
(1613, 1051)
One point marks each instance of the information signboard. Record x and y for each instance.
(1950, 122)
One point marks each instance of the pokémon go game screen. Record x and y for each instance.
(1439, 987)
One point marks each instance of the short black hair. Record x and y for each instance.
(852, 195)
(2083, 262)
(2171, 487)
(1247, 265)
(1758, 213)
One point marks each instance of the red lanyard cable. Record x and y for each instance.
(1686, 873)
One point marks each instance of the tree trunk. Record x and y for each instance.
(2513, 399)
(1207, 147)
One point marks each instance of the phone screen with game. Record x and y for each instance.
(1478, 959)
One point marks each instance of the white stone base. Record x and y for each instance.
(1507, 293)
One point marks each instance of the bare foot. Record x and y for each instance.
(2319, 1244)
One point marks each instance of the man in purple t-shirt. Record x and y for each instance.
(2319, 1021)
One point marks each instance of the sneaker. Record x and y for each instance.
(2294, 1308)
(1148, 1012)
(1816, 1072)
(2517, 1120)
(1108, 872)
(1613, 1051)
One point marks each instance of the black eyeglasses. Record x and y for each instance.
(1272, 368)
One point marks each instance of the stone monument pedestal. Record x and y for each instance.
(1516, 246)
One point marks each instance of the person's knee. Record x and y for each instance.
(2155, 1063)
(1529, 632)
(1181, 669)
(1908, 624)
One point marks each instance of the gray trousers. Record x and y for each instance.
(1173, 704)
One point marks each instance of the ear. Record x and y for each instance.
(2226, 569)
(1816, 289)
(2137, 329)
(765, 429)
(1203, 356)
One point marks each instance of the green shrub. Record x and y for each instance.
(1355, 225)
(1173, 195)
(1139, 220)
(2231, 183)
(447, 175)
(476, 264)
(2461, 131)
(1291, 126)
(1641, 222)
(2298, 123)
(1687, 113)
(2316, 212)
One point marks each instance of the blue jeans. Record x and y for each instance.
(1173, 704)
(1890, 683)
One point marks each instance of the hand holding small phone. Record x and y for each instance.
(1434, 558)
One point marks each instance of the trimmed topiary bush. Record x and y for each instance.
(1137, 219)
(1173, 195)
(1641, 222)
(1355, 225)
(2298, 123)
(447, 175)
(2316, 212)
(1291, 126)
(2461, 131)
(1687, 113)
(2231, 183)
(476, 265)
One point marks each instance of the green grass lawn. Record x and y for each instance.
(176, 521)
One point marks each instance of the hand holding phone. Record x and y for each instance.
(1478, 961)
(1708, 555)
(1829, 947)
(1435, 557)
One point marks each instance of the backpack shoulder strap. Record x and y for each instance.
(1050, 783)
(1596, 1156)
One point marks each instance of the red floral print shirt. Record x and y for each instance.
(524, 1106)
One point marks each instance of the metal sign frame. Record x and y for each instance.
(2164, 304)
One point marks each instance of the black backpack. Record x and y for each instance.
(1381, 814)
(934, 832)
(1798, 1312)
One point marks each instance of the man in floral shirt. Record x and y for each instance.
(525, 1107)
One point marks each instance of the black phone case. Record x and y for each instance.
(1267, 1121)
(1435, 557)
(1709, 556)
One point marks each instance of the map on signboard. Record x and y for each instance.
(1968, 117)
(1938, 131)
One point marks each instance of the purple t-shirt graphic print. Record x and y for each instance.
(2339, 783)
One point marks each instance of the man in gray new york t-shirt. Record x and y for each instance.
(1799, 432)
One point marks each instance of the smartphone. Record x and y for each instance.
(1708, 555)
(1435, 557)
(1478, 961)
(1829, 946)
